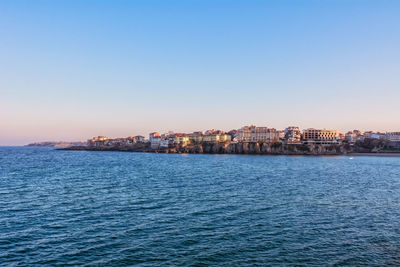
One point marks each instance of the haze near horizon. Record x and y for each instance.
(76, 69)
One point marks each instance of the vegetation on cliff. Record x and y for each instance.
(232, 148)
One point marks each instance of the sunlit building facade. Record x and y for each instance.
(257, 134)
(292, 135)
(318, 136)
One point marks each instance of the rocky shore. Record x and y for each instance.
(232, 148)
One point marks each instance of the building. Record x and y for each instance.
(181, 139)
(354, 136)
(292, 135)
(139, 138)
(164, 143)
(170, 140)
(118, 141)
(155, 140)
(217, 138)
(393, 136)
(196, 137)
(209, 132)
(257, 134)
(166, 140)
(98, 141)
(358, 132)
(379, 135)
(232, 133)
(373, 135)
(131, 140)
(244, 134)
(318, 136)
(368, 134)
(350, 137)
(281, 135)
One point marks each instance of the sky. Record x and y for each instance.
(70, 69)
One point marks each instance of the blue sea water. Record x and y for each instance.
(115, 208)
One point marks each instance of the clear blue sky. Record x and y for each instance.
(70, 70)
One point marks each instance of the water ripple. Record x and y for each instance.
(89, 208)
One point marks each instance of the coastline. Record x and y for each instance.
(376, 154)
(226, 150)
(204, 153)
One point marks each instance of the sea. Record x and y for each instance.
(143, 209)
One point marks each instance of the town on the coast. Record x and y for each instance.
(253, 140)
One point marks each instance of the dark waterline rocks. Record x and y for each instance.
(232, 148)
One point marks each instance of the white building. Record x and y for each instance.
(98, 141)
(164, 143)
(139, 138)
(155, 140)
(393, 136)
(244, 134)
(292, 135)
(257, 134)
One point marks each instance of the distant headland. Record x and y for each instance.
(57, 144)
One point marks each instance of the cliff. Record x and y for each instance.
(232, 148)
(259, 148)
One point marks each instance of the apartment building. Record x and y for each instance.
(393, 136)
(292, 135)
(217, 138)
(257, 134)
(155, 140)
(318, 136)
(97, 141)
(182, 139)
(196, 137)
(139, 138)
